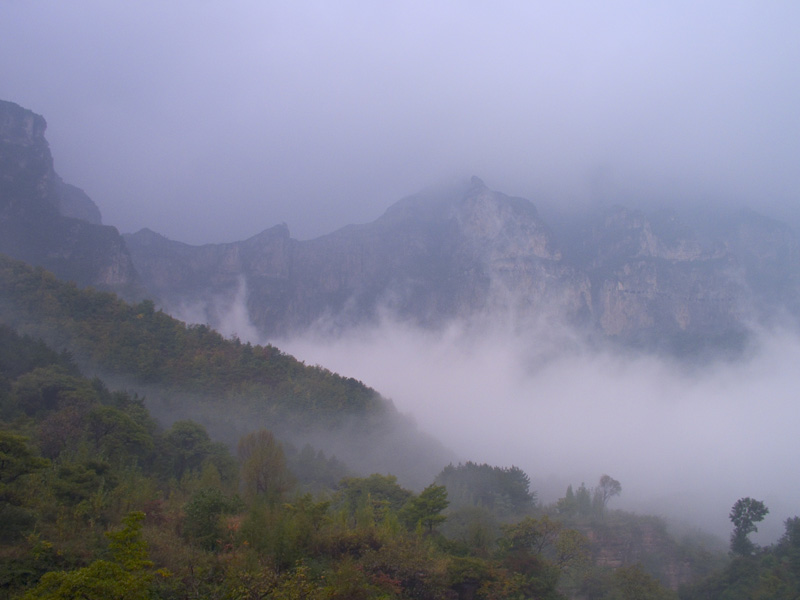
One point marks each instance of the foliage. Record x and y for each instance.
(495, 488)
(426, 509)
(744, 514)
(79, 460)
(204, 511)
(125, 577)
(137, 341)
(263, 466)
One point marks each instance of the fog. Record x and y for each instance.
(685, 442)
(210, 121)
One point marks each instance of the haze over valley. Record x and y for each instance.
(555, 247)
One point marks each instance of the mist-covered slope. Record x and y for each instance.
(233, 388)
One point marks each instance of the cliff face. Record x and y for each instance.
(653, 276)
(466, 250)
(48, 223)
(429, 258)
(444, 253)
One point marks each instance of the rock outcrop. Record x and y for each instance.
(48, 223)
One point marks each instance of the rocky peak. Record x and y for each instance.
(48, 223)
(505, 227)
(20, 126)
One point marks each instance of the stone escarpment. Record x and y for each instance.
(465, 250)
(48, 223)
(431, 257)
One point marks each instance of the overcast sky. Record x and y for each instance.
(211, 121)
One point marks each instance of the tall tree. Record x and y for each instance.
(744, 514)
(607, 488)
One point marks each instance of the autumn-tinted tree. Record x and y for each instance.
(263, 466)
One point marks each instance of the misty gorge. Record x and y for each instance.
(429, 303)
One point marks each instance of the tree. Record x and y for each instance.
(204, 514)
(606, 489)
(188, 444)
(263, 466)
(126, 577)
(425, 510)
(744, 514)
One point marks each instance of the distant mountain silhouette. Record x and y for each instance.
(653, 279)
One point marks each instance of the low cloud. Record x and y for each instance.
(685, 442)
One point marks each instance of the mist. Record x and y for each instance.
(212, 121)
(685, 442)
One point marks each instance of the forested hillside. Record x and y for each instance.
(100, 500)
(193, 372)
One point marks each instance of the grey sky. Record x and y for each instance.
(210, 121)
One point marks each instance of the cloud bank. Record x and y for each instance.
(212, 121)
(684, 442)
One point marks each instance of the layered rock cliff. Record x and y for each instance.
(465, 250)
(441, 254)
(48, 223)
(431, 257)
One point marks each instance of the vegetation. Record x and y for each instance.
(149, 347)
(97, 500)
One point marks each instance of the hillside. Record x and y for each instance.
(193, 372)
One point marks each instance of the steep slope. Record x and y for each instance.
(47, 222)
(232, 388)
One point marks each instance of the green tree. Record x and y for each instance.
(375, 495)
(744, 514)
(16, 462)
(426, 509)
(188, 445)
(125, 577)
(204, 511)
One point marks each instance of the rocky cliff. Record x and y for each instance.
(444, 253)
(431, 257)
(48, 223)
(648, 279)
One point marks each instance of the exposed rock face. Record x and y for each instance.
(653, 277)
(46, 222)
(438, 255)
(466, 250)
(430, 257)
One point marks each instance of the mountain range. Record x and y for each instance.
(657, 279)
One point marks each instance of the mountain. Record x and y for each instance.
(440, 254)
(650, 279)
(465, 250)
(47, 222)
